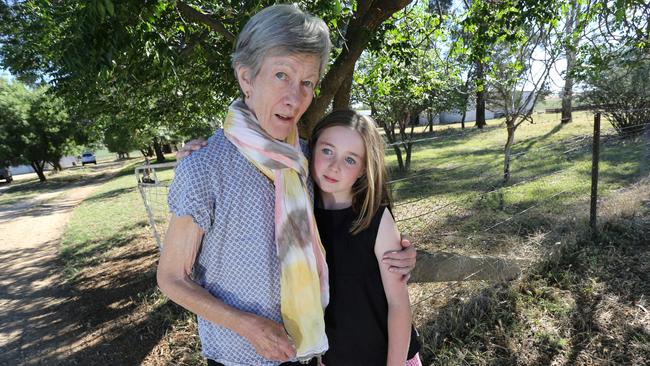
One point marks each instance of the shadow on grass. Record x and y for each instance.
(50, 185)
(483, 175)
(571, 310)
(17, 209)
(110, 194)
(101, 319)
(470, 186)
(530, 142)
(85, 253)
(73, 177)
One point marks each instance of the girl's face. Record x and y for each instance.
(338, 161)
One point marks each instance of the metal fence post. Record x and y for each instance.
(595, 158)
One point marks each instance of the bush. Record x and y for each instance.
(623, 93)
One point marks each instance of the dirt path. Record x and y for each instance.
(30, 297)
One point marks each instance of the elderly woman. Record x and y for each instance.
(242, 249)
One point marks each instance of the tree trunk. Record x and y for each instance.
(430, 117)
(415, 117)
(567, 93)
(389, 130)
(480, 96)
(466, 96)
(462, 119)
(358, 34)
(38, 168)
(390, 136)
(160, 156)
(400, 161)
(570, 49)
(508, 149)
(342, 97)
(407, 163)
(57, 165)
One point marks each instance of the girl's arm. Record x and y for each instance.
(399, 307)
(182, 244)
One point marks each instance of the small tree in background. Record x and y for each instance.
(35, 127)
(623, 92)
(516, 86)
(530, 39)
(615, 63)
(404, 76)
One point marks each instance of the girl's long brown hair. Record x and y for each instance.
(370, 191)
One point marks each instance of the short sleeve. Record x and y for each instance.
(190, 193)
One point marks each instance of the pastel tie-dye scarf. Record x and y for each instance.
(304, 278)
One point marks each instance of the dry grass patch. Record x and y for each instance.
(586, 303)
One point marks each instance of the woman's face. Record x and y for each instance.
(281, 91)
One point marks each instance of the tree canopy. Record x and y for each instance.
(166, 61)
(161, 69)
(35, 128)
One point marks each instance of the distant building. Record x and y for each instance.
(450, 117)
(456, 117)
(66, 162)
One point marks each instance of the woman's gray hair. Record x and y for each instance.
(281, 30)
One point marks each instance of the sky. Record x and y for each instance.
(556, 80)
(5, 74)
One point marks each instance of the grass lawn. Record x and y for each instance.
(454, 196)
(584, 304)
(108, 249)
(452, 199)
(112, 217)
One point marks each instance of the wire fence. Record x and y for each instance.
(153, 184)
(463, 198)
(626, 157)
(575, 145)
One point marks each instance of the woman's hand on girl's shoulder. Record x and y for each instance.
(401, 261)
(189, 147)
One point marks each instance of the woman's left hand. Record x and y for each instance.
(189, 147)
(401, 262)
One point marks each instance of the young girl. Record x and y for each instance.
(368, 319)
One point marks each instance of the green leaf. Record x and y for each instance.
(109, 7)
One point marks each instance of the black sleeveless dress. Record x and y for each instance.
(356, 319)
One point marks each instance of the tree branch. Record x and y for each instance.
(358, 34)
(193, 42)
(203, 18)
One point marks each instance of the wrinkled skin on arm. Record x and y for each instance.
(182, 244)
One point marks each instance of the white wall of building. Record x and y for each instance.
(66, 162)
(470, 116)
